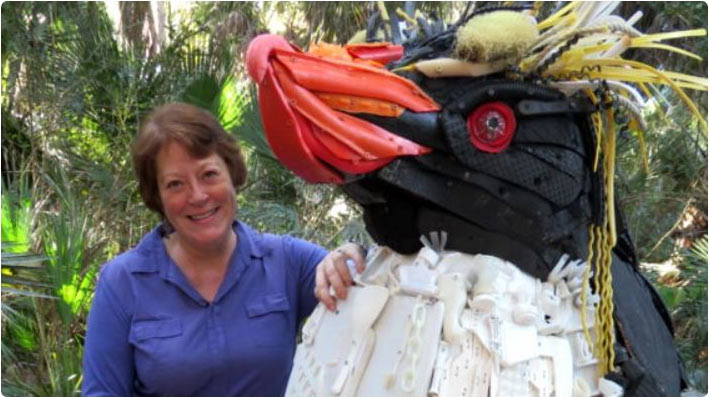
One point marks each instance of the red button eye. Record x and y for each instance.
(492, 127)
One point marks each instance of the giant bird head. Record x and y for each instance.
(491, 129)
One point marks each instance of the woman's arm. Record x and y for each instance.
(108, 357)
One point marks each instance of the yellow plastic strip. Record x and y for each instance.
(605, 310)
(670, 35)
(406, 17)
(688, 78)
(593, 48)
(663, 77)
(638, 77)
(678, 90)
(610, 173)
(597, 277)
(642, 147)
(621, 74)
(383, 11)
(668, 48)
(556, 16)
(407, 68)
(602, 47)
(597, 127)
(644, 89)
(619, 71)
(585, 288)
(418, 14)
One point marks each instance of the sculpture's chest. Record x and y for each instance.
(450, 324)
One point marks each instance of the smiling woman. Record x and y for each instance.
(189, 171)
(203, 305)
(199, 200)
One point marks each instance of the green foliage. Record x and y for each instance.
(66, 244)
(685, 294)
(45, 297)
(656, 201)
(665, 206)
(15, 223)
(337, 21)
(82, 106)
(691, 313)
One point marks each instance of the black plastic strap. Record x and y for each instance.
(484, 214)
(529, 107)
(466, 237)
(636, 381)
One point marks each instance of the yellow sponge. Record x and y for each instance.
(496, 36)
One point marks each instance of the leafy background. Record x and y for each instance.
(78, 77)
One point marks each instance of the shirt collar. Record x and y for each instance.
(250, 239)
(148, 246)
(151, 245)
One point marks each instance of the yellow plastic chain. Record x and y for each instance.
(601, 240)
(585, 286)
(605, 239)
(605, 334)
(597, 123)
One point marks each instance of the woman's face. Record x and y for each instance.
(197, 196)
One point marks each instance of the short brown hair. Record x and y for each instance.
(194, 128)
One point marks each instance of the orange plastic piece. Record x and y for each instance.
(323, 75)
(353, 104)
(380, 52)
(308, 136)
(369, 141)
(379, 44)
(259, 52)
(334, 153)
(285, 134)
(330, 51)
(375, 56)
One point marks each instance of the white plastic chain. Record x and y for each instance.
(413, 345)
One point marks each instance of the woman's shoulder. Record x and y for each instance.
(260, 243)
(265, 243)
(140, 258)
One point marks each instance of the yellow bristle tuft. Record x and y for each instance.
(496, 36)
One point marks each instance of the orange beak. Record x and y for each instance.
(307, 104)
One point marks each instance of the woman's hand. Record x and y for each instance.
(333, 271)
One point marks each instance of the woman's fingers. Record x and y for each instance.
(334, 272)
(340, 259)
(356, 253)
(338, 276)
(322, 288)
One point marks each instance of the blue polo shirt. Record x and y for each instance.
(151, 333)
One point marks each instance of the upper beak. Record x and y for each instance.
(259, 52)
(306, 105)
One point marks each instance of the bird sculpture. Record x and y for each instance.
(482, 154)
